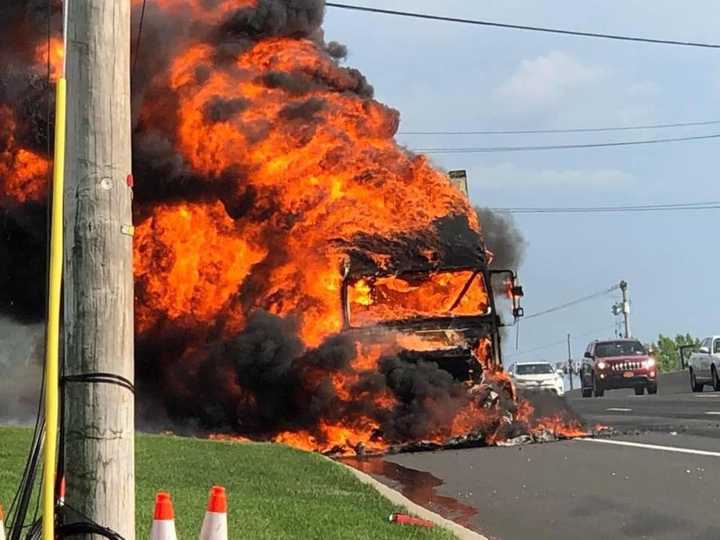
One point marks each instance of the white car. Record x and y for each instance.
(704, 365)
(537, 376)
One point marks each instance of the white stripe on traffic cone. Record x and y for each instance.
(214, 525)
(163, 526)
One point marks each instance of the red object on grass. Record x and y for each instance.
(218, 501)
(404, 519)
(163, 507)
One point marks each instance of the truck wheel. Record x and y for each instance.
(587, 392)
(652, 389)
(694, 385)
(715, 379)
(640, 390)
(597, 388)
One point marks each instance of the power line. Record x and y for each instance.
(677, 207)
(494, 149)
(572, 303)
(536, 349)
(566, 130)
(523, 27)
(559, 342)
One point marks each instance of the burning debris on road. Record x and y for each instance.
(271, 201)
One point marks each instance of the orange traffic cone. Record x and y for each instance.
(163, 526)
(214, 525)
(2, 523)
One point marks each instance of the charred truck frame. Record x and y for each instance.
(460, 338)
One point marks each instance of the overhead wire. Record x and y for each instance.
(572, 303)
(478, 22)
(562, 130)
(496, 149)
(673, 207)
(559, 342)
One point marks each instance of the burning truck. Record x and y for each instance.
(446, 315)
(299, 276)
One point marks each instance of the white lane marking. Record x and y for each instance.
(654, 447)
(712, 412)
(707, 395)
(618, 409)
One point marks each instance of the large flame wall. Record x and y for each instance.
(260, 162)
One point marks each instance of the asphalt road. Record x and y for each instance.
(673, 409)
(657, 476)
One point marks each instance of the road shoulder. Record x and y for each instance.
(399, 499)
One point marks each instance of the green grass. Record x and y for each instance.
(273, 491)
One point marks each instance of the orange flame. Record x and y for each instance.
(56, 55)
(438, 295)
(290, 178)
(23, 173)
(320, 174)
(204, 259)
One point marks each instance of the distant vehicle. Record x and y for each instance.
(537, 376)
(704, 364)
(618, 363)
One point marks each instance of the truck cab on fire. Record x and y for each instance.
(446, 315)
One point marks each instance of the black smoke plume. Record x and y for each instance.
(264, 380)
(502, 238)
(21, 365)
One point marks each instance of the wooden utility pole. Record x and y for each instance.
(99, 409)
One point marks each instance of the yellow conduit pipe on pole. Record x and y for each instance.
(52, 371)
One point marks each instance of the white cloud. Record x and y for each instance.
(547, 80)
(509, 176)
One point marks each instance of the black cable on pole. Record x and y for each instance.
(495, 149)
(566, 130)
(20, 504)
(477, 22)
(138, 38)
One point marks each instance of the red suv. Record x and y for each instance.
(619, 363)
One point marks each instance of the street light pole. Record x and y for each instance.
(625, 307)
(570, 364)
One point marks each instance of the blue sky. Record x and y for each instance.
(444, 76)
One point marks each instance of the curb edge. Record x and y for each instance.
(399, 499)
